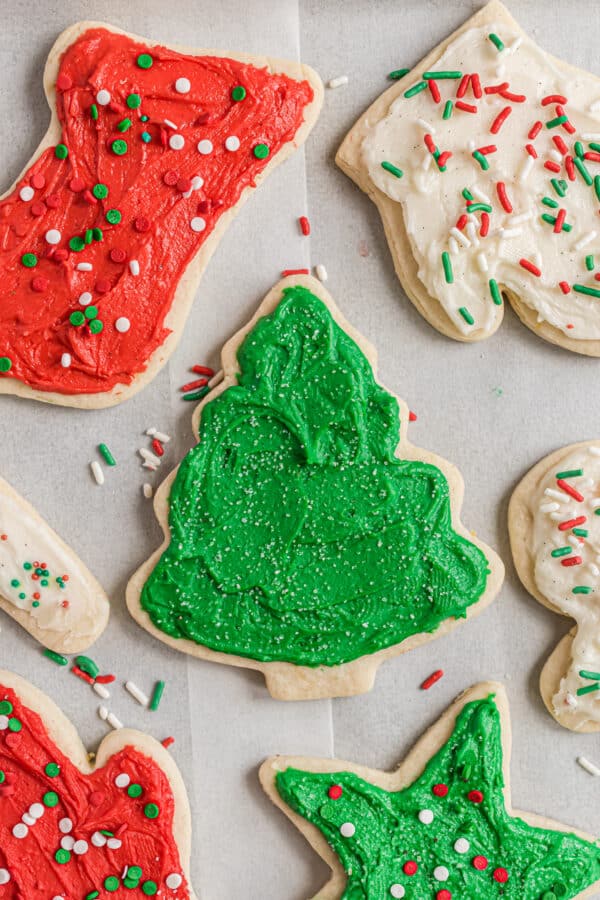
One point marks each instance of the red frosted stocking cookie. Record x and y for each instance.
(104, 237)
(70, 830)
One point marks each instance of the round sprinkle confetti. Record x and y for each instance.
(232, 143)
(103, 97)
(347, 829)
(122, 780)
(77, 243)
(441, 873)
(50, 799)
(238, 93)
(176, 142)
(20, 830)
(122, 324)
(198, 223)
(6, 707)
(426, 816)
(3, 723)
(29, 260)
(26, 193)
(261, 151)
(80, 847)
(113, 216)
(4, 876)
(205, 147)
(183, 85)
(65, 360)
(133, 101)
(410, 867)
(119, 147)
(397, 891)
(36, 810)
(77, 318)
(100, 191)
(14, 725)
(96, 326)
(335, 791)
(149, 888)
(62, 856)
(145, 61)
(5, 364)
(480, 863)
(65, 825)
(135, 790)
(462, 845)
(52, 770)
(141, 224)
(151, 811)
(174, 881)
(53, 236)
(85, 298)
(61, 151)
(111, 883)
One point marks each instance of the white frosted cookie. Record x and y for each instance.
(554, 525)
(44, 586)
(484, 162)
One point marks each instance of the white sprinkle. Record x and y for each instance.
(397, 891)
(427, 126)
(136, 693)
(26, 193)
(122, 780)
(173, 881)
(103, 97)
(65, 360)
(550, 492)
(321, 272)
(170, 124)
(453, 246)
(337, 82)
(506, 233)
(122, 324)
(101, 691)
(183, 85)
(555, 155)
(113, 843)
(471, 230)
(479, 195)
(556, 517)
(426, 164)
(5, 876)
(462, 845)
(500, 70)
(595, 451)
(27, 819)
(147, 489)
(441, 873)
(426, 816)
(460, 237)
(53, 236)
(149, 465)
(85, 299)
(514, 46)
(594, 570)
(148, 456)
(198, 223)
(103, 713)
(134, 267)
(36, 810)
(482, 262)
(67, 842)
(113, 721)
(80, 847)
(20, 831)
(84, 267)
(197, 182)
(522, 217)
(549, 507)
(347, 829)
(595, 502)
(588, 766)
(232, 143)
(176, 142)
(98, 839)
(3, 723)
(97, 472)
(590, 137)
(571, 700)
(159, 435)
(65, 825)
(585, 240)
(205, 147)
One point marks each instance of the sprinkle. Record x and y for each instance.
(147, 490)
(476, 86)
(588, 689)
(431, 680)
(338, 82)
(167, 742)
(570, 490)
(526, 168)
(588, 766)
(447, 264)
(466, 315)
(565, 287)
(571, 561)
(500, 119)
(561, 551)
(447, 109)
(57, 658)
(443, 159)
(159, 688)
(101, 691)
(530, 267)
(287, 272)
(460, 237)
(415, 89)
(392, 169)
(183, 85)
(103, 713)
(81, 674)
(582, 589)
(193, 385)
(594, 676)
(136, 693)
(559, 222)
(503, 197)
(441, 75)
(105, 679)
(434, 91)
(113, 721)
(498, 44)
(589, 262)
(559, 120)
(198, 224)
(482, 262)
(97, 472)
(109, 458)
(572, 523)
(159, 435)
(134, 267)
(570, 167)
(398, 73)
(552, 166)
(485, 224)
(304, 225)
(158, 447)
(584, 289)
(534, 131)
(148, 456)
(466, 107)
(321, 272)
(583, 171)
(495, 292)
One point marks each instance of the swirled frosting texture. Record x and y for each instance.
(451, 824)
(296, 533)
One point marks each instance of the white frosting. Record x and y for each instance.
(550, 506)
(432, 200)
(25, 539)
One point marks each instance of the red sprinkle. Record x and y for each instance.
(158, 447)
(553, 98)
(53, 201)
(531, 267)
(76, 185)
(443, 158)
(552, 166)
(184, 185)
(514, 98)
(534, 130)
(480, 863)
(203, 370)
(444, 894)
(572, 523)
(38, 181)
(560, 218)
(412, 417)
(83, 675)
(64, 82)
(560, 144)
(475, 796)
(193, 385)
(503, 197)
(335, 791)
(429, 682)
(463, 85)
(571, 561)
(170, 178)
(118, 255)
(168, 741)
(440, 790)
(103, 285)
(466, 107)
(429, 143)
(489, 148)
(485, 224)
(304, 225)
(568, 489)
(410, 867)
(40, 284)
(565, 287)
(89, 197)
(500, 875)
(570, 167)
(476, 86)
(531, 150)
(434, 90)
(462, 222)
(496, 88)
(105, 679)
(287, 272)
(141, 224)
(591, 156)
(500, 119)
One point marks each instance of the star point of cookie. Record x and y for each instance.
(441, 827)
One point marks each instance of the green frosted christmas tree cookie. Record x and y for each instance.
(439, 828)
(306, 536)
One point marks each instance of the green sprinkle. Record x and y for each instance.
(88, 236)
(77, 243)
(124, 124)
(22, 596)
(133, 101)
(562, 551)
(29, 260)
(96, 326)
(584, 673)
(582, 589)
(135, 790)
(14, 725)
(447, 264)
(444, 74)
(119, 147)
(97, 234)
(415, 89)
(149, 888)
(584, 289)
(15, 582)
(477, 207)
(94, 111)
(144, 61)
(238, 93)
(63, 856)
(552, 221)
(146, 137)
(589, 262)
(91, 312)
(107, 833)
(92, 895)
(466, 315)
(35, 603)
(77, 318)
(87, 665)
(498, 44)
(583, 171)
(481, 160)
(569, 473)
(144, 118)
(113, 216)
(50, 799)
(448, 109)
(495, 292)
(2, 777)
(597, 186)
(135, 872)
(57, 658)
(61, 151)
(52, 770)
(398, 73)
(553, 123)
(467, 194)
(261, 151)
(197, 395)
(108, 457)
(5, 364)
(151, 811)
(6, 708)
(390, 167)
(579, 148)
(589, 688)
(548, 201)
(111, 883)
(159, 688)
(559, 186)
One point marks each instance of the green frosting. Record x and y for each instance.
(296, 534)
(521, 862)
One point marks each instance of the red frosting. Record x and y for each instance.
(149, 185)
(93, 803)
